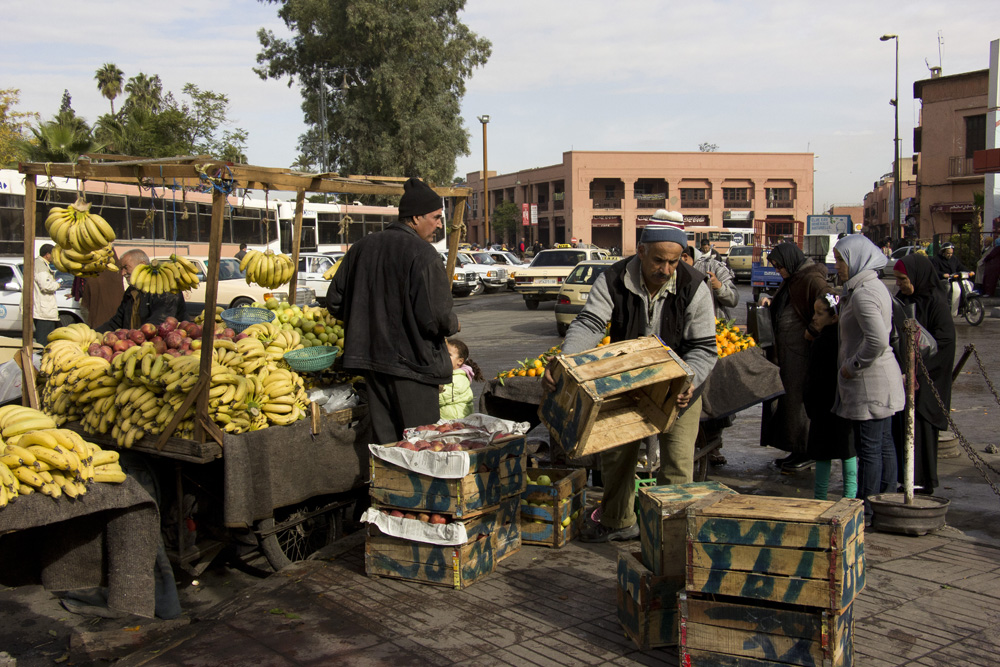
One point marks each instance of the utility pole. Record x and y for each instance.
(486, 183)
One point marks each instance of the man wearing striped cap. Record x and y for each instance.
(650, 293)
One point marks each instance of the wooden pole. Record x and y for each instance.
(293, 285)
(28, 293)
(211, 295)
(910, 329)
(454, 233)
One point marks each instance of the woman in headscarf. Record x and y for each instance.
(919, 287)
(784, 423)
(870, 385)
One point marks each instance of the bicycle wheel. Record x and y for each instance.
(974, 311)
(296, 532)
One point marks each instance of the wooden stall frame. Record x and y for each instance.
(195, 171)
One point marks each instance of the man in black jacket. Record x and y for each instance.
(947, 265)
(138, 308)
(393, 293)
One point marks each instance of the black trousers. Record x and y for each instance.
(396, 403)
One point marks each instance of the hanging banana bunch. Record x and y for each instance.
(268, 270)
(76, 228)
(84, 265)
(161, 276)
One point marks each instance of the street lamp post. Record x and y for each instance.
(894, 227)
(486, 183)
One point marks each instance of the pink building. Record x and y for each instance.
(606, 198)
(878, 204)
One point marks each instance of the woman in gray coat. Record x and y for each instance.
(870, 384)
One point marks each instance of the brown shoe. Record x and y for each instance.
(717, 459)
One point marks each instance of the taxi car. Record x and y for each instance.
(575, 290)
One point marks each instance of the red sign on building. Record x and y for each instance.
(525, 214)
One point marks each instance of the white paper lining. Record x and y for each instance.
(447, 534)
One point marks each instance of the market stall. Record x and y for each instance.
(280, 482)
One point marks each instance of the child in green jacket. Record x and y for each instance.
(456, 398)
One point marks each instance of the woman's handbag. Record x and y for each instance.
(926, 344)
(759, 324)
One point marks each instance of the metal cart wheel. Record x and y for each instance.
(296, 532)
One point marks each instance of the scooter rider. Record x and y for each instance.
(949, 268)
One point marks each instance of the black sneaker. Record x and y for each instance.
(797, 462)
(600, 533)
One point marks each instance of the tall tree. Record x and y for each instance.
(62, 139)
(110, 81)
(145, 92)
(66, 106)
(14, 127)
(385, 77)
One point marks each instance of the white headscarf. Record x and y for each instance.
(860, 254)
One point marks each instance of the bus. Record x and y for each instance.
(721, 238)
(157, 217)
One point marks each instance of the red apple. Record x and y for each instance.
(110, 339)
(409, 515)
(173, 340)
(241, 335)
(121, 333)
(228, 333)
(129, 343)
(437, 518)
(115, 355)
(121, 345)
(423, 516)
(195, 331)
(94, 350)
(395, 513)
(180, 332)
(437, 446)
(106, 351)
(137, 336)
(148, 330)
(170, 323)
(452, 447)
(406, 444)
(159, 345)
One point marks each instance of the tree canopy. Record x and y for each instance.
(14, 127)
(383, 78)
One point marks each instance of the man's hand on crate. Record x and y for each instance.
(684, 398)
(548, 382)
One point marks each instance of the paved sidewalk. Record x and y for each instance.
(932, 600)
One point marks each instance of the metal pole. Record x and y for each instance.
(895, 233)
(486, 184)
(910, 329)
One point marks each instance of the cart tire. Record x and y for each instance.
(296, 537)
(241, 301)
(562, 328)
(974, 311)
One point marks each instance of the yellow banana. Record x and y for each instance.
(56, 459)
(28, 476)
(109, 476)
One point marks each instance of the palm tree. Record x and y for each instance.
(62, 139)
(109, 81)
(144, 92)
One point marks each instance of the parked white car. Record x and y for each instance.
(11, 295)
(312, 266)
(492, 274)
(511, 261)
(465, 281)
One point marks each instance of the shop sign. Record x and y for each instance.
(953, 207)
(525, 215)
(534, 214)
(695, 219)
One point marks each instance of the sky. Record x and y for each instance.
(628, 75)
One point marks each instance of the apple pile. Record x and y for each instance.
(419, 516)
(172, 337)
(441, 446)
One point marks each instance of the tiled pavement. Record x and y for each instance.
(933, 600)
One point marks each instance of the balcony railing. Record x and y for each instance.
(695, 203)
(646, 201)
(959, 166)
(607, 202)
(781, 203)
(737, 203)
(557, 205)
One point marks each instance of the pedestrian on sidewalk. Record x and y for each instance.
(919, 286)
(870, 384)
(651, 293)
(44, 311)
(830, 437)
(784, 423)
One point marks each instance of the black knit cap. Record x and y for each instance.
(418, 199)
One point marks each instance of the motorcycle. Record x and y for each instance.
(969, 301)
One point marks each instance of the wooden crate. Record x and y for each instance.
(508, 528)
(647, 604)
(613, 394)
(728, 632)
(789, 550)
(495, 473)
(663, 521)
(560, 516)
(455, 566)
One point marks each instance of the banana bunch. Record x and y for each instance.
(274, 397)
(72, 387)
(268, 270)
(276, 341)
(51, 461)
(78, 333)
(84, 264)
(161, 276)
(76, 228)
(200, 317)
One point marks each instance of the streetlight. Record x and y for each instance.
(486, 183)
(896, 185)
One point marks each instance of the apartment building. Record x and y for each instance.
(952, 127)
(878, 215)
(606, 198)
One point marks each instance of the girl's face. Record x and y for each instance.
(822, 315)
(456, 360)
(903, 283)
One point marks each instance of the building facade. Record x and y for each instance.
(606, 198)
(878, 215)
(952, 127)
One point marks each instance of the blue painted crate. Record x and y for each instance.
(647, 603)
(612, 395)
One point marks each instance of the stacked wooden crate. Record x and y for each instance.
(486, 500)
(649, 580)
(552, 513)
(771, 581)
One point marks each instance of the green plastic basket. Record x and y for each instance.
(240, 318)
(311, 359)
